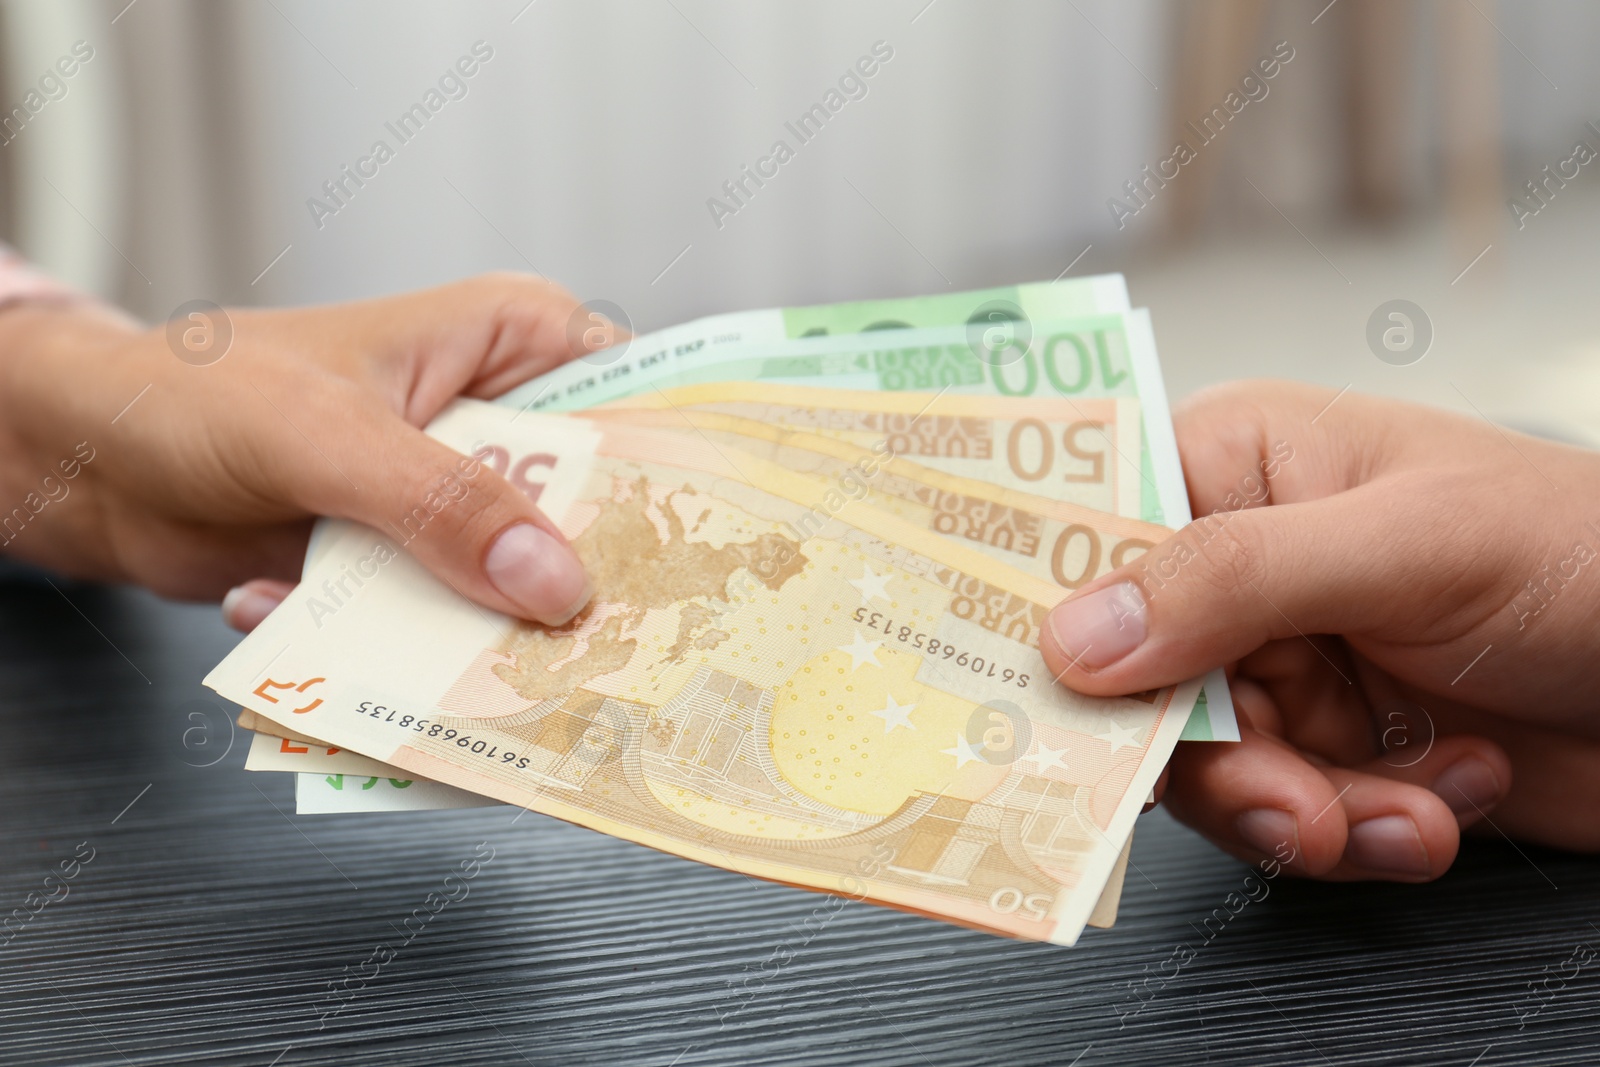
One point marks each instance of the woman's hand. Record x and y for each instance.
(194, 479)
(1370, 567)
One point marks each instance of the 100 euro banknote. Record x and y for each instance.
(591, 379)
(802, 704)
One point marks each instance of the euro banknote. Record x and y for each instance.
(1067, 543)
(830, 698)
(322, 790)
(1083, 452)
(663, 351)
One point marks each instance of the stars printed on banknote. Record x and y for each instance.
(862, 652)
(1045, 758)
(964, 752)
(872, 585)
(895, 714)
(1119, 737)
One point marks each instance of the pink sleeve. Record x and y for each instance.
(20, 281)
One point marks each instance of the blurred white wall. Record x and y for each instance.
(588, 145)
(594, 137)
(180, 160)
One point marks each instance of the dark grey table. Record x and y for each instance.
(211, 926)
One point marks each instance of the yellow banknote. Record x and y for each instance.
(1084, 451)
(329, 780)
(1066, 543)
(829, 697)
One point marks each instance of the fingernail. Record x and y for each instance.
(539, 574)
(1389, 843)
(1469, 787)
(1099, 628)
(244, 608)
(1268, 830)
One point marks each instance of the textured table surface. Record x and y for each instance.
(210, 922)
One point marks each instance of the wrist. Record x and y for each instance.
(51, 350)
(56, 373)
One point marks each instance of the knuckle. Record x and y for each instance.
(504, 279)
(1225, 394)
(1235, 558)
(442, 503)
(520, 287)
(1257, 400)
(1228, 398)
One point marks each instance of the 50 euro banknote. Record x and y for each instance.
(1084, 452)
(330, 781)
(801, 705)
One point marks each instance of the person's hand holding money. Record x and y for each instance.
(1369, 567)
(196, 475)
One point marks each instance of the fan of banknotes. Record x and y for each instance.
(823, 542)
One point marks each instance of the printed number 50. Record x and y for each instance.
(1007, 900)
(1025, 429)
(499, 459)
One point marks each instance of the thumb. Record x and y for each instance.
(1224, 586)
(460, 519)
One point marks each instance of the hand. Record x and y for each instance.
(1375, 557)
(211, 475)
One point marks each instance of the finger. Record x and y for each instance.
(1219, 589)
(1397, 831)
(1250, 444)
(1253, 443)
(246, 605)
(1338, 552)
(1470, 774)
(1554, 780)
(1253, 704)
(459, 518)
(215, 557)
(1313, 681)
(478, 337)
(1259, 800)
(1373, 822)
(1553, 802)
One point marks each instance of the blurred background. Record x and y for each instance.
(1432, 152)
